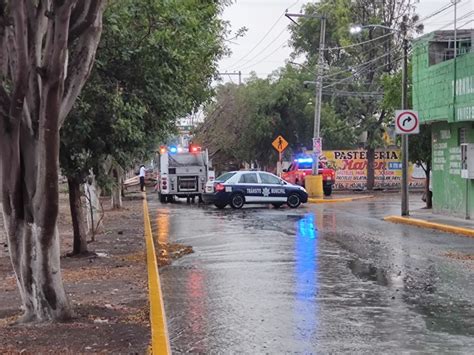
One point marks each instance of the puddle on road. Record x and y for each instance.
(368, 272)
(454, 317)
(441, 314)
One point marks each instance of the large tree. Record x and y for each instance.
(152, 67)
(47, 51)
(357, 64)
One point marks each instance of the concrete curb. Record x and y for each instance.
(159, 331)
(334, 200)
(430, 225)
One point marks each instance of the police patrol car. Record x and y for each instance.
(240, 187)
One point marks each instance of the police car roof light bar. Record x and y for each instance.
(305, 160)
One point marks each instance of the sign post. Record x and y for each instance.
(280, 144)
(406, 122)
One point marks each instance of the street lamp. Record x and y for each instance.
(357, 29)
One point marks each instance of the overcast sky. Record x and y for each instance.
(255, 52)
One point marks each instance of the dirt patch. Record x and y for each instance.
(108, 290)
(459, 256)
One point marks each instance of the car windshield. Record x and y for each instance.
(225, 177)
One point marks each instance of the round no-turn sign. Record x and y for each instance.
(407, 122)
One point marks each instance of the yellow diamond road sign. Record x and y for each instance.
(280, 144)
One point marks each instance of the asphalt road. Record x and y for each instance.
(319, 279)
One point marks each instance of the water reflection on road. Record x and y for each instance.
(316, 279)
(306, 275)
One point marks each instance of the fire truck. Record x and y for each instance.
(182, 173)
(301, 167)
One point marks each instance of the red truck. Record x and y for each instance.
(301, 167)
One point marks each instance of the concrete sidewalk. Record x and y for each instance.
(425, 218)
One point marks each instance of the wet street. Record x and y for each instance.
(318, 279)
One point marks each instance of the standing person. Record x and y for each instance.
(142, 177)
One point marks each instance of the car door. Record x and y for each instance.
(249, 184)
(273, 189)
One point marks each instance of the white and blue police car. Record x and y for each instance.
(238, 188)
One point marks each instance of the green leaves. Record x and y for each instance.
(155, 64)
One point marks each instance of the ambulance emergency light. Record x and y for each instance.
(304, 160)
(194, 148)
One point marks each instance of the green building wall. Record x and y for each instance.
(452, 195)
(443, 95)
(433, 86)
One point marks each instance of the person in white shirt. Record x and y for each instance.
(142, 177)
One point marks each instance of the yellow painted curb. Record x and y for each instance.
(432, 225)
(159, 331)
(346, 199)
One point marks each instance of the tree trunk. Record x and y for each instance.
(370, 168)
(38, 89)
(117, 190)
(30, 208)
(93, 207)
(78, 223)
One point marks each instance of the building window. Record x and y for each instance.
(441, 47)
(462, 134)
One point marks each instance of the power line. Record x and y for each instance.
(364, 70)
(360, 43)
(442, 9)
(244, 65)
(350, 69)
(464, 24)
(267, 56)
(258, 43)
(358, 72)
(353, 93)
(458, 19)
(436, 12)
(263, 38)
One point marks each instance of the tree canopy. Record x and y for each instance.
(244, 119)
(357, 72)
(155, 63)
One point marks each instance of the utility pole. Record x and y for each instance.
(319, 89)
(319, 86)
(405, 204)
(314, 183)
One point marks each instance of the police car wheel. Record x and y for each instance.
(237, 201)
(277, 205)
(294, 201)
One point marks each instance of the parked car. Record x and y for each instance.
(301, 167)
(238, 188)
